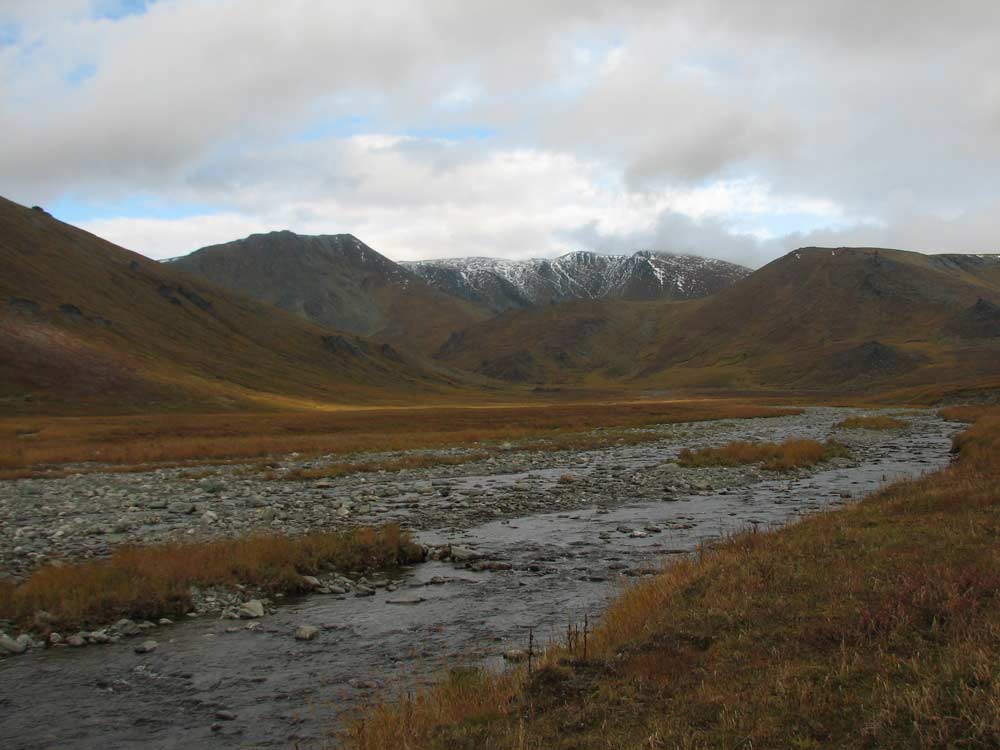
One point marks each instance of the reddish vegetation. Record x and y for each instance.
(784, 456)
(28, 445)
(149, 582)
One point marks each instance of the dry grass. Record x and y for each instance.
(874, 626)
(873, 422)
(790, 454)
(34, 446)
(149, 582)
(389, 464)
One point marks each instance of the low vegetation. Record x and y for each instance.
(791, 454)
(876, 625)
(39, 446)
(873, 422)
(155, 581)
(400, 463)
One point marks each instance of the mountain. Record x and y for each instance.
(335, 281)
(503, 285)
(817, 318)
(86, 325)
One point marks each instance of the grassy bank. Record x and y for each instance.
(34, 446)
(155, 581)
(874, 626)
(790, 454)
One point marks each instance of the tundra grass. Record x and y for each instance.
(873, 626)
(156, 581)
(35, 446)
(791, 454)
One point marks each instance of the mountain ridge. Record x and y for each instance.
(334, 281)
(503, 285)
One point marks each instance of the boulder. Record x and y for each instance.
(251, 609)
(306, 633)
(9, 646)
(464, 554)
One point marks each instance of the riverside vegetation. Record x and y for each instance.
(155, 581)
(877, 625)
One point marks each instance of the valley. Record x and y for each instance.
(287, 491)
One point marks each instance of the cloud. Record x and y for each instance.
(725, 127)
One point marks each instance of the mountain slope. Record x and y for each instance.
(335, 281)
(841, 315)
(817, 318)
(85, 324)
(503, 285)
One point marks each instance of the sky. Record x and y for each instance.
(527, 128)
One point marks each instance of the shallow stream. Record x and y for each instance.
(563, 565)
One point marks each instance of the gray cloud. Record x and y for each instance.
(598, 113)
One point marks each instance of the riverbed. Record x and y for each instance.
(560, 532)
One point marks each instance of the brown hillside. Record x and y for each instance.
(817, 319)
(86, 325)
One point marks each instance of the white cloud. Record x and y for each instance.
(607, 123)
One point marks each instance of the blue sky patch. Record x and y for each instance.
(80, 74)
(115, 9)
(74, 210)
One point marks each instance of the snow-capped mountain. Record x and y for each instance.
(504, 285)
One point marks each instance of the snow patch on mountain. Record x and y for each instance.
(644, 275)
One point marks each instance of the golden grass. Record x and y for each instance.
(790, 454)
(36, 445)
(873, 422)
(149, 582)
(873, 626)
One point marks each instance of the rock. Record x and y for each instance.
(209, 516)
(306, 633)
(225, 715)
(464, 554)
(360, 590)
(55, 639)
(251, 609)
(9, 646)
(310, 582)
(185, 508)
(76, 641)
(146, 647)
(414, 600)
(126, 627)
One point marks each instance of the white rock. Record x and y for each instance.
(306, 633)
(251, 609)
(9, 646)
